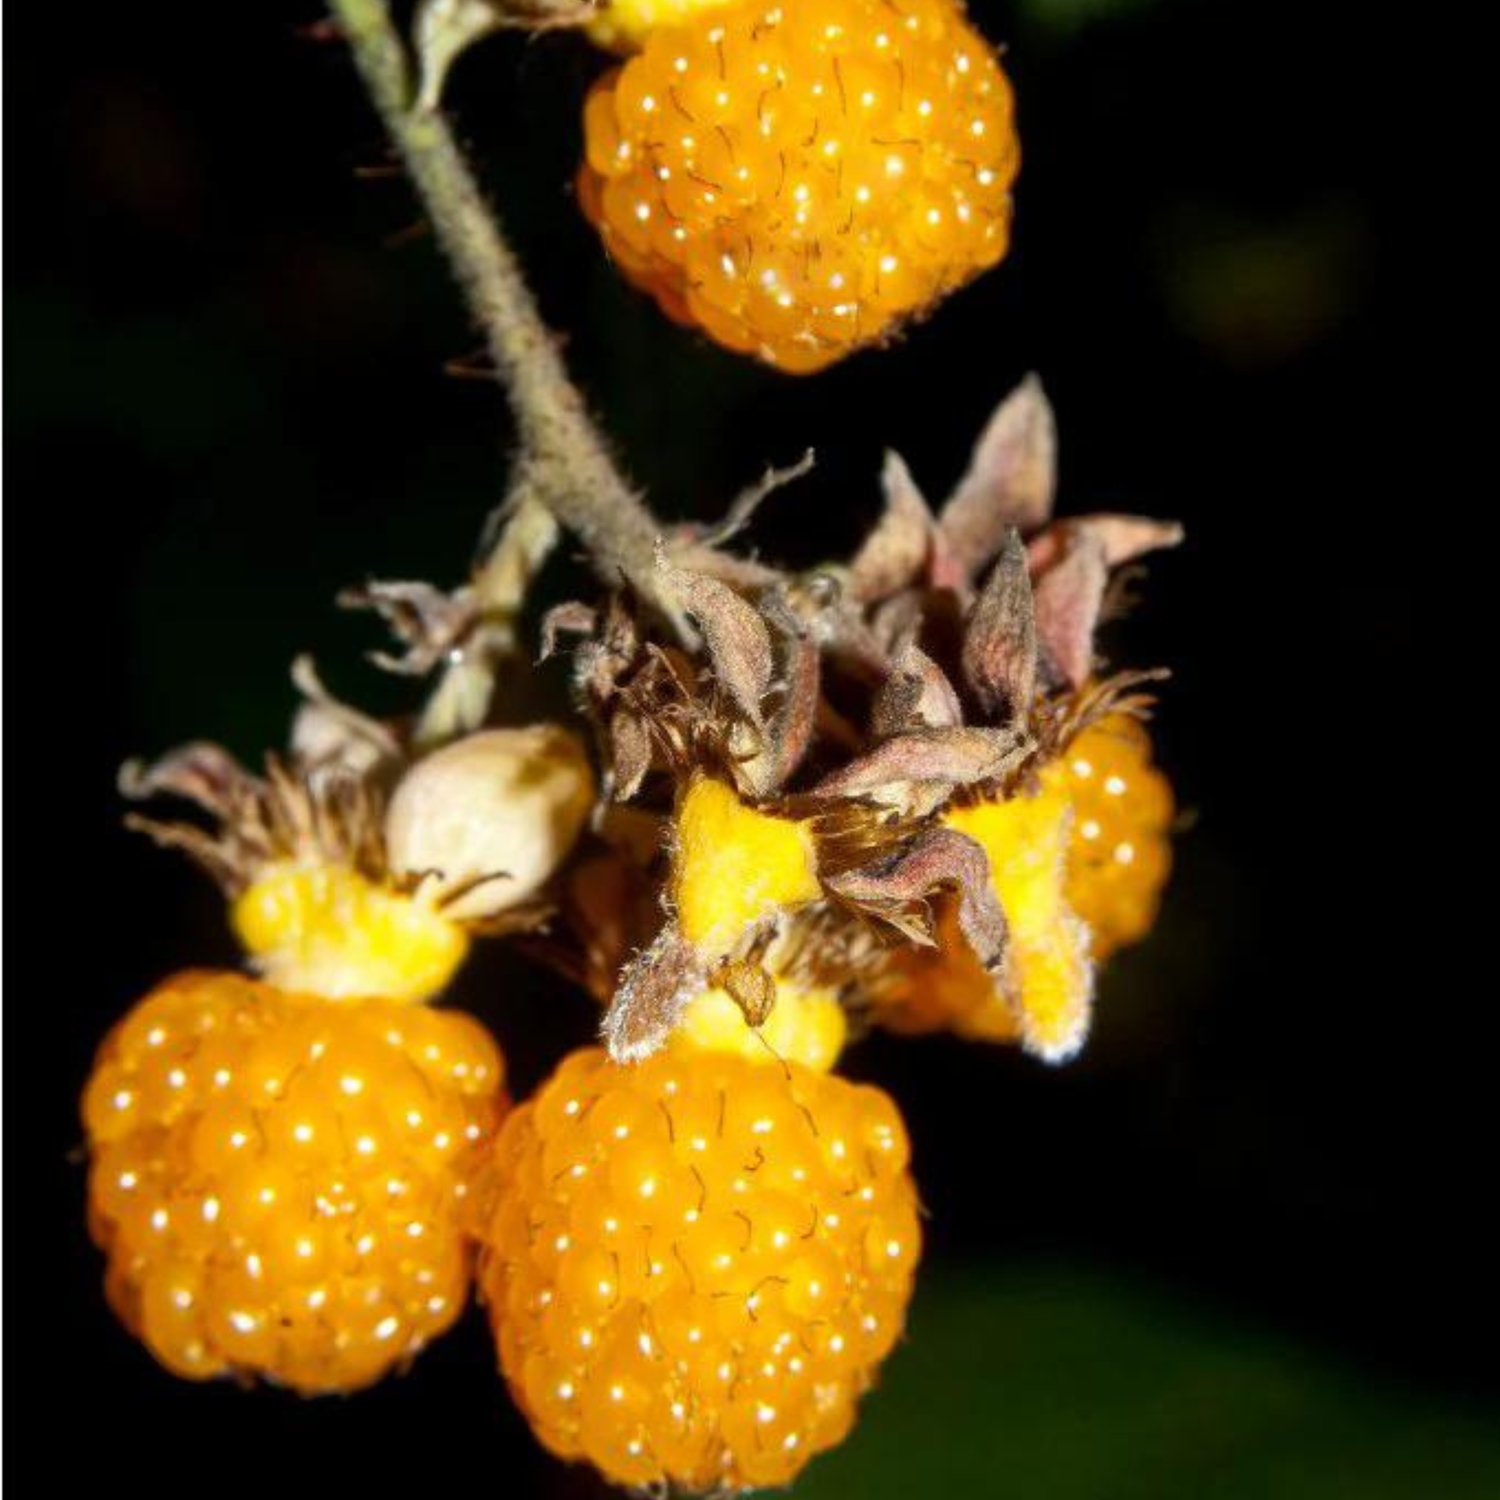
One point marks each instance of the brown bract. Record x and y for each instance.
(251, 821)
(937, 858)
(653, 991)
(325, 802)
(745, 704)
(429, 624)
(988, 610)
(948, 658)
(1008, 488)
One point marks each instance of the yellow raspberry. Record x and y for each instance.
(280, 1181)
(624, 25)
(696, 1263)
(797, 180)
(1120, 854)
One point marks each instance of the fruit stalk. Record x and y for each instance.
(564, 463)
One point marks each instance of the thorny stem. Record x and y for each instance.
(564, 464)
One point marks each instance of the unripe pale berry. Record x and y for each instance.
(796, 180)
(280, 1182)
(485, 821)
(695, 1264)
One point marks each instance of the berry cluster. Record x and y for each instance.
(902, 793)
(796, 178)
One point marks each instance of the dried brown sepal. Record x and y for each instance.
(750, 985)
(571, 618)
(1011, 481)
(918, 770)
(893, 621)
(630, 754)
(851, 643)
(200, 772)
(916, 695)
(1069, 596)
(823, 604)
(648, 1001)
(612, 650)
(735, 635)
(637, 694)
(794, 717)
(897, 550)
(334, 815)
(609, 651)
(686, 727)
(429, 623)
(1068, 715)
(330, 737)
(999, 656)
(748, 501)
(938, 858)
(1123, 538)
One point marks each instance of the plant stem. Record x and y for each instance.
(461, 700)
(564, 463)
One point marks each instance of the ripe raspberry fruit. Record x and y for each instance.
(1119, 855)
(796, 180)
(695, 1263)
(279, 1181)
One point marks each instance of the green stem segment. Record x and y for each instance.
(564, 465)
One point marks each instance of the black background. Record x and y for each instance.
(228, 399)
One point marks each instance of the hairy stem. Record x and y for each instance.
(564, 463)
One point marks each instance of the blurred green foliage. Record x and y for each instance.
(1037, 1380)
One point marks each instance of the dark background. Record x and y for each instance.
(1239, 1249)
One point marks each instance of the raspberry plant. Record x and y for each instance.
(903, 789)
